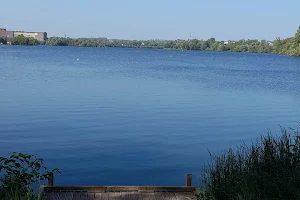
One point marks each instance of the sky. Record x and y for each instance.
(155, 19)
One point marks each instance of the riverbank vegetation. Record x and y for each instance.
(21, 175)
(289, 46)
(19, 40)
(267, 169)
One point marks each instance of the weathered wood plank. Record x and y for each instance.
(90, 196)
(102, 196)
(118, 188)
(137, 195)
(157, 196)
(147, 196)
(97, 196)
(78, 196)
(105, 196)
(120, 193)
(120, 196)
(115, 195)
(66, 195)
(188, 180)
(130, 195)
(165, 196)
(170, 196)
(51, 179)
(52, 196)
(185, 196)
(87, 196)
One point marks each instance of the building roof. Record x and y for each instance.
(28, 32)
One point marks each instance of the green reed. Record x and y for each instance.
(267, 169)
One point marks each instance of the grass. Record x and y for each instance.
(15, 191)
(15, 194)
(267, 169)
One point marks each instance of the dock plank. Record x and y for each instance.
(78, 196)
(66, 195)
(147, 196)
(119, 193)
(115, 195)
(185, 196)
(131, 195)
(164, 196)
(101, 196)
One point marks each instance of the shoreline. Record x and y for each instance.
(149, 48)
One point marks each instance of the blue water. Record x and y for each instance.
(110, 116)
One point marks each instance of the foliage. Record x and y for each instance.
(3, 40)
(268, 169)
(104, 42)
(297, 36)
(22, 40)
(22, 174)
(289, 46)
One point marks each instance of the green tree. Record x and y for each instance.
(22, 40)
(241, 48)
(211, 41)
(3, 40)
(204, 45)
(277, 45)
(297, 36)
(222, 47)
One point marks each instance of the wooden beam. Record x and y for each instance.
(50, 179)
(188, 180)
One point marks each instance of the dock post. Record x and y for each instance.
(50, 179)
(188, 180)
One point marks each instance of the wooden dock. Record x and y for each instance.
(51, 192)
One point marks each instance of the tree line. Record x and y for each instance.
(289, 46)
(104, 42)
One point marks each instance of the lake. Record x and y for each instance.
(113, 116)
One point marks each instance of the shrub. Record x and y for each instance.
(22, 175)
(22, 40)
(268, 169)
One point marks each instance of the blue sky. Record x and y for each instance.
(155, 19)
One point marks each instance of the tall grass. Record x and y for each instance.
(267, 169)
(16, 191)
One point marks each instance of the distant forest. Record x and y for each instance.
(289, 46)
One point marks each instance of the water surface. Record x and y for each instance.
(110, 116)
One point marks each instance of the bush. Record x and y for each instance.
(3, 40)
(268, 169)
(22, 40)
(22, 175)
